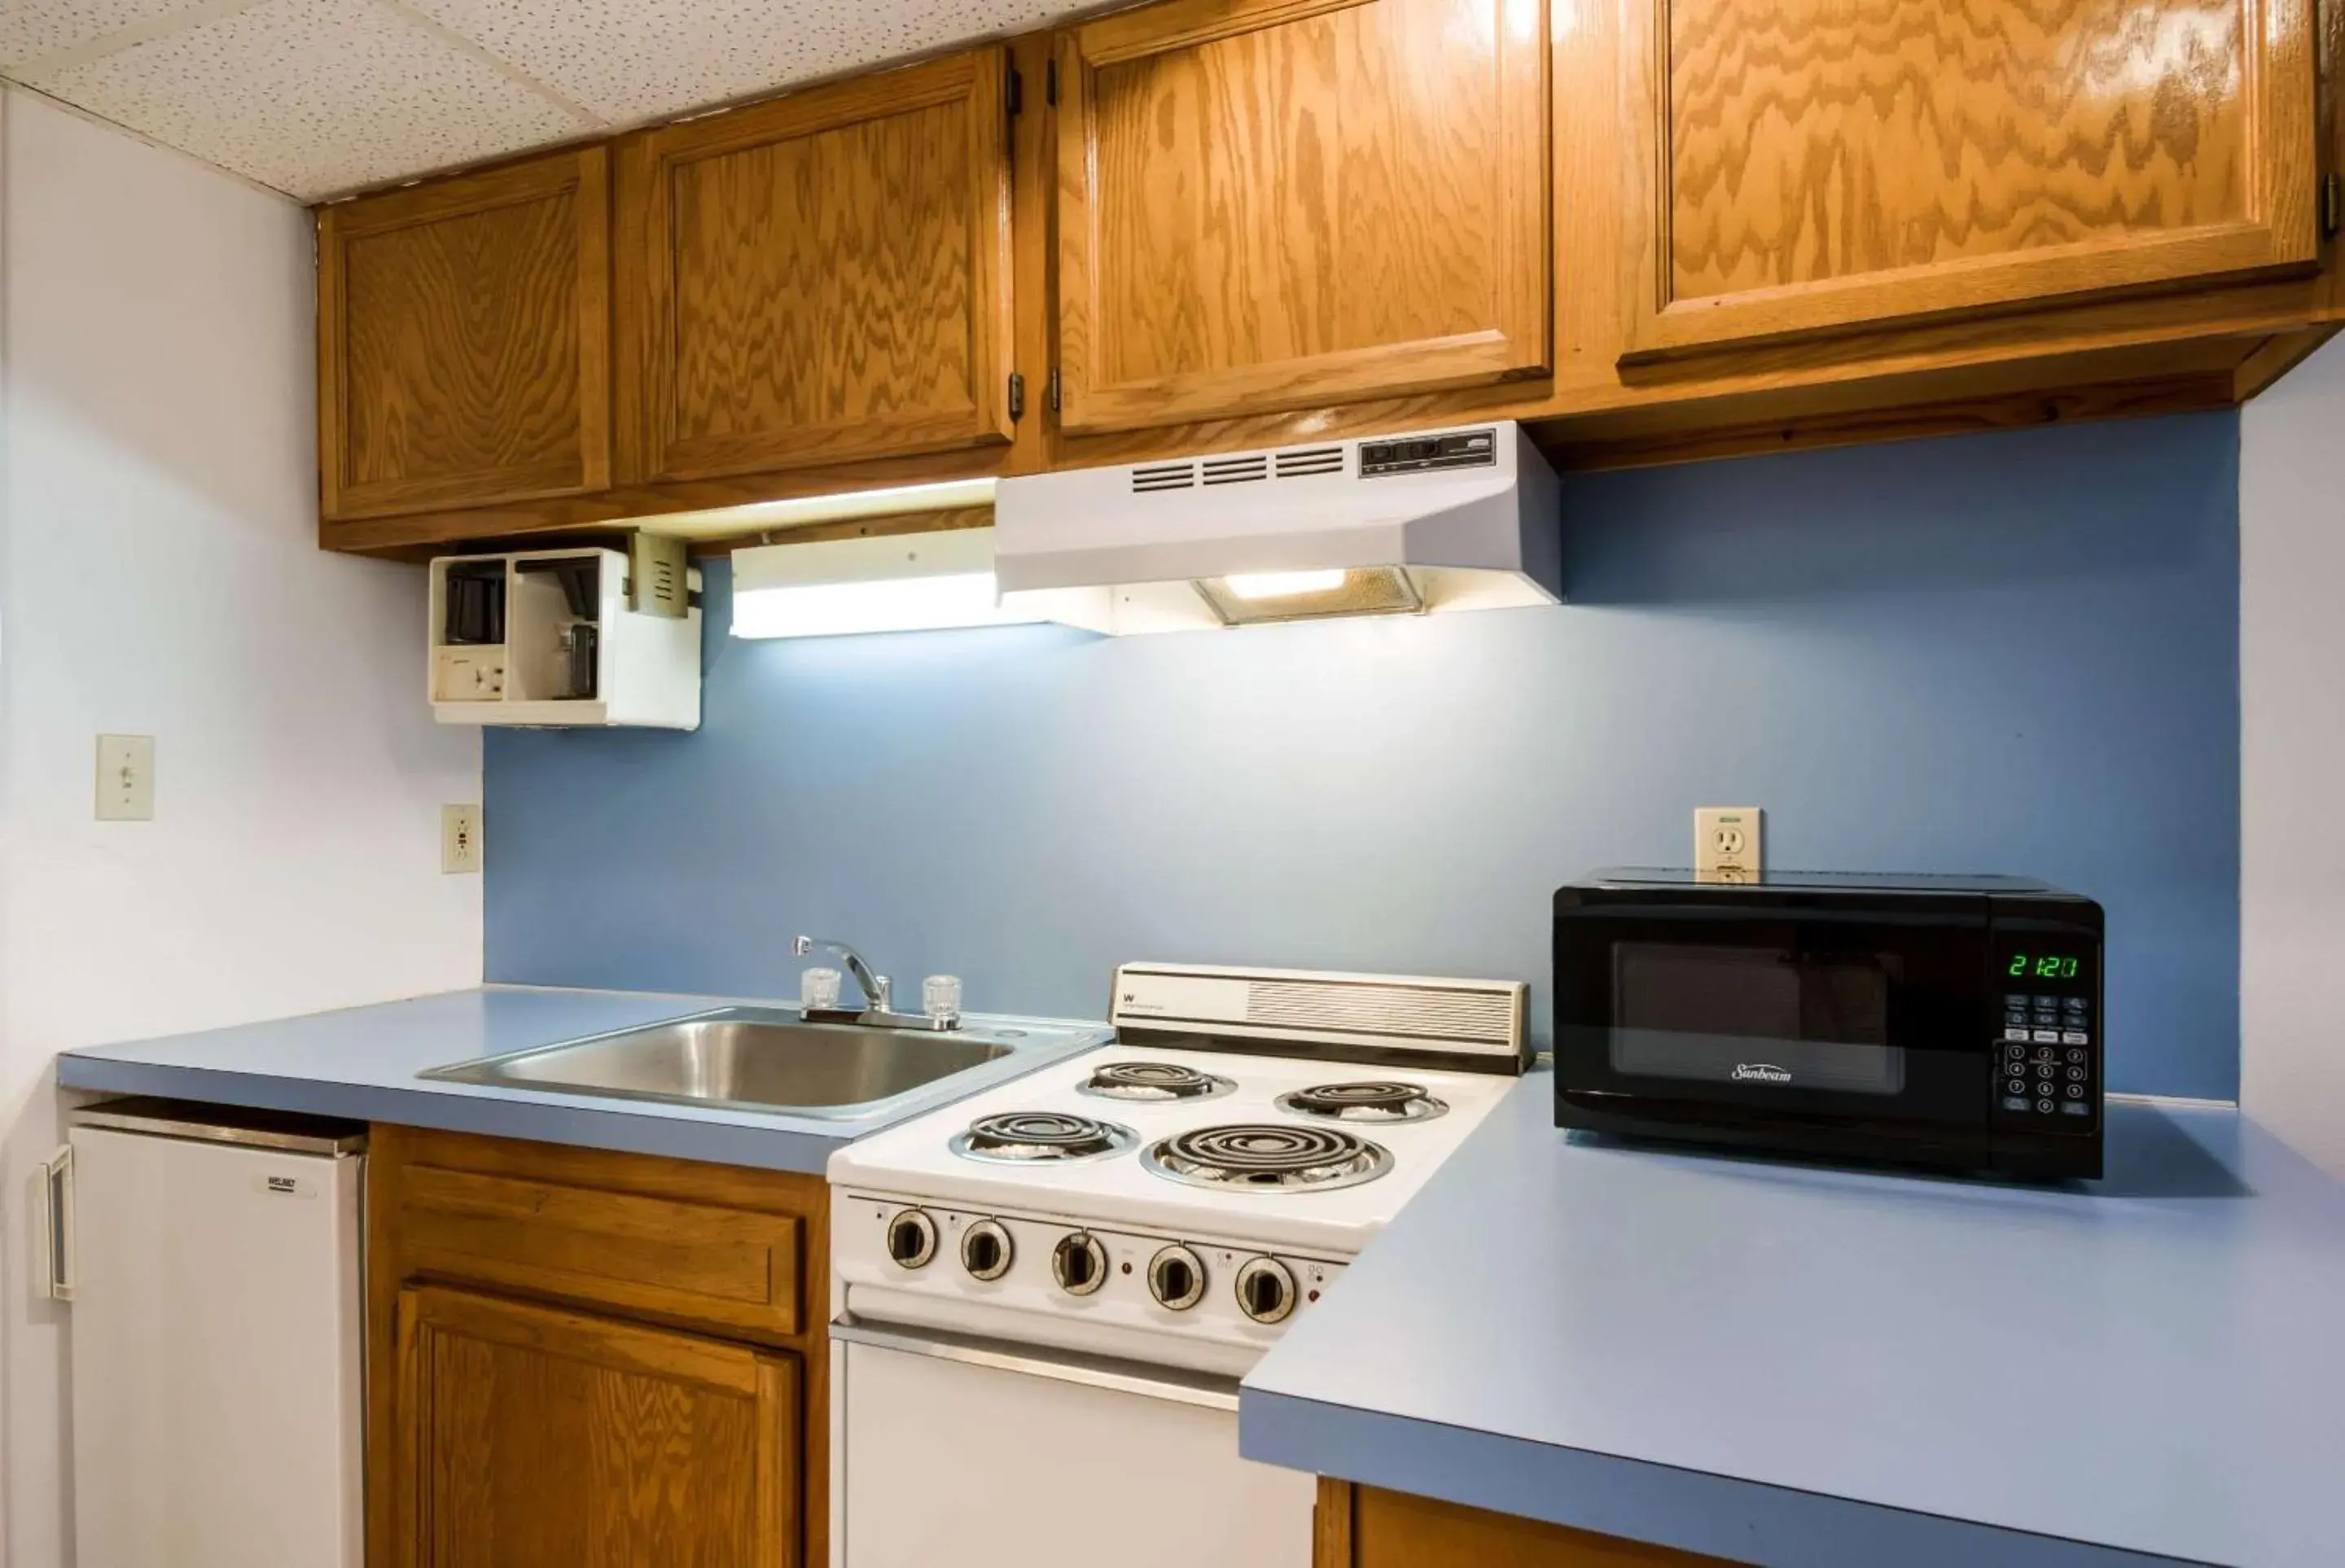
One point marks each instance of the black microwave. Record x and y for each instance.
(1948, 1021)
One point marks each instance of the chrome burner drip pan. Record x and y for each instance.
(1268, 1157)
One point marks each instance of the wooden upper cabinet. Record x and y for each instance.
(1274, 204)
(1811, 167)
(463, 340)
(534, 1437)
(820, 279)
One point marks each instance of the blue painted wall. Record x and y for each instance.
(2007, 652)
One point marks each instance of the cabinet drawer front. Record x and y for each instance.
(1809, 166)
(723, 1268)
(821, 278)
(463, 340)
(1272, 203)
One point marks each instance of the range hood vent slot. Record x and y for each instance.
(1164, 476)
(1237, 470)
(1305, 461)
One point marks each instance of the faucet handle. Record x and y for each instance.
(801, 945)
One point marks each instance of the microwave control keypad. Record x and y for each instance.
(2047, 1063)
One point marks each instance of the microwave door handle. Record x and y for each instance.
(1107, 1372)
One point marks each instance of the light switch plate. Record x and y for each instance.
(126, 778)
(1726, 844)
(459, 839)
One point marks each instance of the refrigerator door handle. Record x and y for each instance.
(56, 1233)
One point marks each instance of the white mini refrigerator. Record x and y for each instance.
(213, 1268)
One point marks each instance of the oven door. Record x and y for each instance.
(948, 1450)
(1775, 1013)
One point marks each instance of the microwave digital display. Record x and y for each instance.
(2027, 965)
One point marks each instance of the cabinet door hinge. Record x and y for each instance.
(1017, 92)
(1050, 84)
(1017, 396)
(2332, 205)
(1054, 389)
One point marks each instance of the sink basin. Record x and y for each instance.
(755, 1058)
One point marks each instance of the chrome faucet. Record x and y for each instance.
(873, 984)
(876, 1006)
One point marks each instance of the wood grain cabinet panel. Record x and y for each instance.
(700, 1265)
(1803, 167)
(463, 340)
(820, 279)
(1367, 1527)
(1269, 204)
(537, 1438)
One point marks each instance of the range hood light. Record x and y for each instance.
(1284, 585)
(843, 587)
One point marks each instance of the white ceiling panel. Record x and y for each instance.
(317, 96)
(36, 29)
(630, 61)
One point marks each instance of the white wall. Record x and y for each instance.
(2292, 757)
(158, 575)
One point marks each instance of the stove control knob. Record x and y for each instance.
(911, 1238)
(1079, 1263)
(1265, 1289)
(1176, 1278)
(985, 1250)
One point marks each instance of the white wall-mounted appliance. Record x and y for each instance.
(584, 636)
(1467, 518)
(211, 1260)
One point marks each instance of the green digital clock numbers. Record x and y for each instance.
(2040, 967)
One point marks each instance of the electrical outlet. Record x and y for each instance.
(1726, 844)
(459, 838)
(126, 778)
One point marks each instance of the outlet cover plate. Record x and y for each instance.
(1726, 844)
(459, 839)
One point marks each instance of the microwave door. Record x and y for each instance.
(1790, 1016)
(1767, 1019)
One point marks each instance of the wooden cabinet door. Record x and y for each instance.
(1812, 167)
(536, 1438)
(463, 340)
(1366, 1527)
(1273, 204)
(820, 279)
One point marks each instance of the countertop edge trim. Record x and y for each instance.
(1639, 1500)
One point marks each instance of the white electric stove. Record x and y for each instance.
(1044, 1294)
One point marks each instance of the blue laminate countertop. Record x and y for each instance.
(361, 1063)
(1787, 1364)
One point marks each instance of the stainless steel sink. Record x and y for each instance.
(760, 1058)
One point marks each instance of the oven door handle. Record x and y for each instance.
(1116, 1375)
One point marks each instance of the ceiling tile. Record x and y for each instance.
(35, 29)
(315, 97)
(636, 60)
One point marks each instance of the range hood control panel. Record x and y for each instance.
(1423, 454)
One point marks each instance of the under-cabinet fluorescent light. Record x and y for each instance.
(842, 587)
(1284, 585)
(773, 516)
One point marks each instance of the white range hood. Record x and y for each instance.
(1458, 519)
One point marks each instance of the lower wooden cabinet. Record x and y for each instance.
(538, 1437)
(1367, 1527)
(584, 1359)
